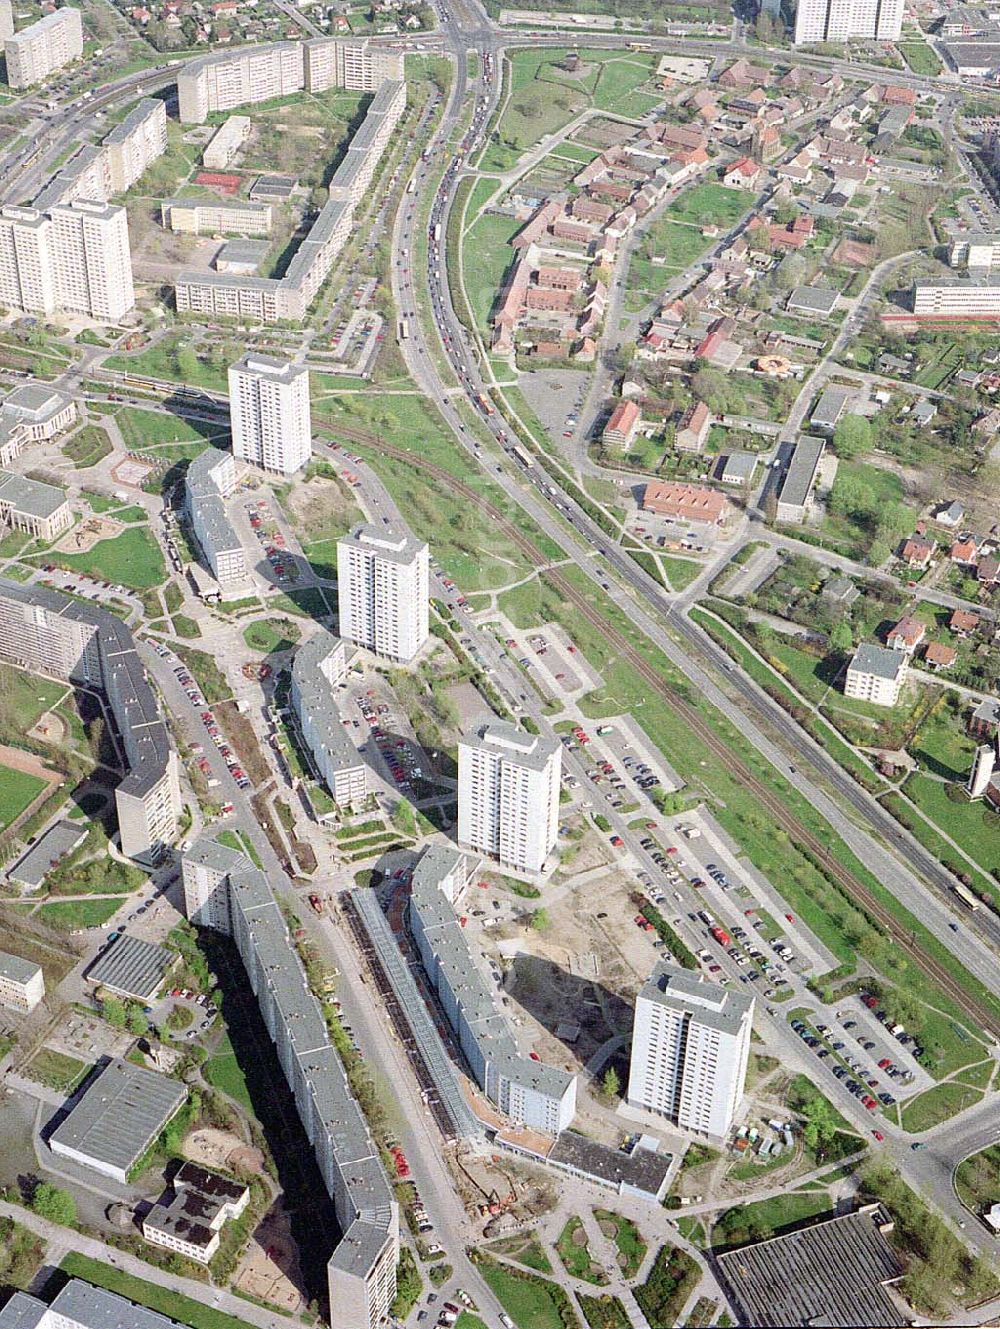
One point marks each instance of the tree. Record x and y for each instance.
(611, 1085)
(540, 920)
(137, 1022)
(114, 1012)
(842, 638)
(54, 1204)
(852, 437)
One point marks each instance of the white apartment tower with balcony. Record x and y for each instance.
(269, 411)
(73, 258)
(690, 1046)
(508, 795)
(383, 589)
(840, 20)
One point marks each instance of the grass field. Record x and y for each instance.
(937, 1105)
(56, 1070)
(530, 1301)
(969, 824)
(781, 1211)
(87, 446)
(17, 792)
(279, 635)
(223, 1072)
(978, 1179)
(710, 204)
(78, 913)
(920, 57)
(145, 429)
(28, 696)
(487, 256)
(173, 359)
(163, 1299)
(544, 97)
(626, 1236)
(130, 559)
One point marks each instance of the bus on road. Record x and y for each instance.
(965, 897)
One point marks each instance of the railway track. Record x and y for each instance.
(771, 802)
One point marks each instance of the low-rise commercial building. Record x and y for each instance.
(530, 1093)
(210, 480)
(120, 1114)
(29, 505)
(22, 983)
(226, 142)
(49, 633)
(685, 502)
(191, 1220)
(224, 891)
(795, 493)
(198, 216)
(131, 967)
(957, 297)
(318, 667)
(837, 1271)
(876, 674)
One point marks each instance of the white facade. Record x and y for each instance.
(318, 667)
(43, 47)
(198, 216)
(269, 411)
(876, 674)
(226, 142)
(74, 258)
(508, 795)
(22, 984)
(383, 590)
(690, 1046)
(958, 298)
(840, 20)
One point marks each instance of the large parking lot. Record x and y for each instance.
(207, 718)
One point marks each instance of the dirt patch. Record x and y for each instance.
(269, 1270)
(321, 509)
(240, 733)
(50, 728)
(88, 534)
(132, 472)
(222, 1149)
(27, 762)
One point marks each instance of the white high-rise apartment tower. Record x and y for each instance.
(75, 258)
(43, 47)
(839, 20)
(508, 794)
(383, 590)
(269, 411)
(690, 1045)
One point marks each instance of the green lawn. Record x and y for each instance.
(78, 913)
(710, 204)
(968, 824)
(87, 446)
(56, 1070)
(223, 1072)
(574, 1252)
(765, 1217)
(27, 697)
(626, 1236)
(530, 1301)
(920, 57)
(163, 1299)
(173, 358)
(486, 257)
(681, 572)
(978, 1179)
(938, 1104)
(469, 1321)
(270, 636)
(144, 429)
(130, 559)
(17, 792)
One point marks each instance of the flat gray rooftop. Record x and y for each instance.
(120, 1114)
(132, 966)
(16, 969)
(31, 497)
(832, 1273)
(706, 1003)
(801, 471)
(870, 658)
(60, 839)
